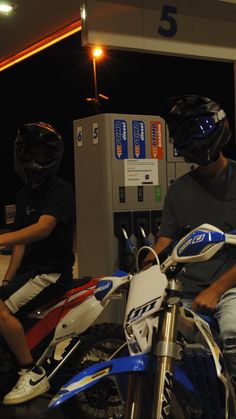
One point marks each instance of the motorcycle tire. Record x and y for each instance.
(98, 344)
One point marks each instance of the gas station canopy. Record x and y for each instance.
(204, 29)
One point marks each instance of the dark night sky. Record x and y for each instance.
(52, 85)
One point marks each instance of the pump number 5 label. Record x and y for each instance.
(95, 133)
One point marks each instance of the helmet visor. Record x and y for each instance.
(193, 128)
(28, 152)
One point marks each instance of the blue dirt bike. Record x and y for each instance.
(174, 368)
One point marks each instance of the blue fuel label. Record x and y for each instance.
(139, 145)
(121, 139)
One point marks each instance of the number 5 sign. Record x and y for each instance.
(200, 28)
(95, 133)
(167, 15)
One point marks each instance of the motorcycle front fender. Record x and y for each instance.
(92, 375)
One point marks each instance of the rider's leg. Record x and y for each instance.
(225, 314)
(13, 333)
(32, 381)
(23, 292)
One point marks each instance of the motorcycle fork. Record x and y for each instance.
(133, 403)
(167, 351)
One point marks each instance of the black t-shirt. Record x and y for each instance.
(54, 253)
(193, 200)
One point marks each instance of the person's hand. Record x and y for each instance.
(206, 301)
(5, 282)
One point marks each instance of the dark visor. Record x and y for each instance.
(193, 128)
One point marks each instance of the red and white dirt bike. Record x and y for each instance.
(71, 318)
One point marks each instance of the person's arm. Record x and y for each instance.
(37, 231)
(15, 261)
(207, 300)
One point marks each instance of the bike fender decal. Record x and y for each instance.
(102, 288)
(90, 376)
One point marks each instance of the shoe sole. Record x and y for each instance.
(25, 398)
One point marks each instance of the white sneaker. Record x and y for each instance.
(28, 386)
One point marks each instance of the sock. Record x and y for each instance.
(28, 366)
(37, 369)
(32, 366)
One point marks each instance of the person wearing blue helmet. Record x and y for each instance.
(42, 257)
(199, 129)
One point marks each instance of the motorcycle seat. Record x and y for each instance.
(78, 282)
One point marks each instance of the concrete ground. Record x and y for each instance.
(37, 409)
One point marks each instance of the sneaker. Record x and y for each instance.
(28, 386)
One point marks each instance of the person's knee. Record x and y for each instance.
(4, 313)
(228, 333)
(227, 325)
(229, 353)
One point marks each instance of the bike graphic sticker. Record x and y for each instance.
(121, 139)
(143, 310)
(102, 288)
(156, 140)
(88, 379)
(138, 132)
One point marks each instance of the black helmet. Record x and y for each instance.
(38, 151)
(198, 127)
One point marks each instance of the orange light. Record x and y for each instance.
(44, 43)
(103, 96)
(97, 52)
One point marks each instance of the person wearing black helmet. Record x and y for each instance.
(199, 129)
(42, 241)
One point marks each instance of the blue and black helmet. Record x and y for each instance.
(198, 127)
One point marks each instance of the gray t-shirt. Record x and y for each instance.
(191, 201)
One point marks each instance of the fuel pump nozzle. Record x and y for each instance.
(129, 251)
(145, 240)
(129, 246)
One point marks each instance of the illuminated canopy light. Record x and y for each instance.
(5, 8)
(83, 12)
(39, 46)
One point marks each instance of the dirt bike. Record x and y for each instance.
(64, 338)
(175, 368)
